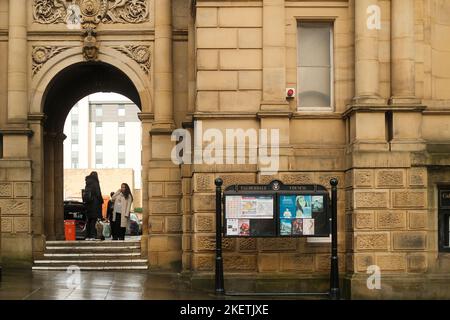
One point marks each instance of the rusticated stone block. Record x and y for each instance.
(297, 178)
(417, 177)
(204, 223)
(156, 224)
(164, 206)
(204, 183)
(7, 224)
(349, 221)
(204, 262)
(364, 220)
(363, 178)
(268, 262)
(372, 241)
(187, 223)
(156, 189)
(372, 199)
(349, 200)
(174, 224)
(410, 240)
(247, 244)
(409, 199)
(363, 261)
(323, 262)
(232, 179)
(390, 178)
(6, 190)
(417, 262)
(278, 244)
(391, 220)
(391, 262)
(266, 179)
(22, 189)
(324, 179)
(239, 262)
(204, 203)
(173, 189)
(15, 207)
(208, 243)
(417, 220)
(297, 262)
(157, 243)
(350, 262)
(349, 176)
(21, 224)
(187, 243)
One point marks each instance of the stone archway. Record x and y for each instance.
(65, 89)
(57, 90)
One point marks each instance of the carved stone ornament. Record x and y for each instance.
(92, 12)
(139, 53)
(90, 47)
(41, 54)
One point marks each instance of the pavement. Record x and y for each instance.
(110, 285)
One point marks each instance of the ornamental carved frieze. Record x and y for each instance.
(139, 53)
(92, 12)
(41, 54)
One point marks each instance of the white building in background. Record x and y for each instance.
(104, 132)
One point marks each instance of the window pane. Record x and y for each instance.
(121, 148)
(314, 44)
(314, 86)
(99, 148)
(121, 130)
(74, 147)
(98, 111)
(121, 111)
(98, 130)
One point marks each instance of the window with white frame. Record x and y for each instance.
(315, 65)
(121, 110)
(98, 110)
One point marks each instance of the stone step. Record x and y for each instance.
(87, 268)
(106, 256)
(90, 262)
(93, 248)
(84, 243)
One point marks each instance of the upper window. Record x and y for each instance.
(121, 110)
(315, 64)
(98, 111)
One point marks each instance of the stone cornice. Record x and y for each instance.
(224, 115)
(16, 131)
(382, 108)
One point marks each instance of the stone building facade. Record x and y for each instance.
(227, 64)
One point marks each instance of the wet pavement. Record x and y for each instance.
(98, 285)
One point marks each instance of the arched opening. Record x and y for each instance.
(67, 88)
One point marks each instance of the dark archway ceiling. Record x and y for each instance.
(76, 82)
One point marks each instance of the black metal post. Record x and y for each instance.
(219, 261)
(334, 272)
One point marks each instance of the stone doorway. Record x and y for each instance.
(62, 92)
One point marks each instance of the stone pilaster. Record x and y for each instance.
(367, 77)
(403, 71)
(163, 66)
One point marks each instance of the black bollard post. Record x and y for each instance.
(219, 261)
(334, 272)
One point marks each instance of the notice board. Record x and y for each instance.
(276, 210)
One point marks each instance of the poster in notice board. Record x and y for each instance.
(249, 216)
(303, 215)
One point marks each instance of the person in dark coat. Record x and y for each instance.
(109, 215)
(93, 200)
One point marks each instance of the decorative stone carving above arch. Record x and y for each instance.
(41, 54)
(139, 53)
(92, 12)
